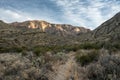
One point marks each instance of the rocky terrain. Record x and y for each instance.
(109, 30)
(39, 50)
(58, 29)
(36, 33)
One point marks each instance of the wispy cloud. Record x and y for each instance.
(14, 15)
(89, 13)
(86, 13)
(10, 16)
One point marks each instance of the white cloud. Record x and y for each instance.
(89, 13)
(10, 16)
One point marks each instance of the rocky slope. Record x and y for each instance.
(59, 29)
(109, 30)
(44, 33)
(35, 33)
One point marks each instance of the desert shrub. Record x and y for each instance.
(107, 45)
(24, 52)
(95, 72)
(11, 71)
(61, 56)
(107, 68)
(87, 58)
(116, 45)
(3, 49)
(39, 61)
(16, 49)
(88, 45)
(11, 49)
(55, 48)
(98, 45)
(66, 48)
(42, 77)
(70, 47)
(39, 50)
(111, 46)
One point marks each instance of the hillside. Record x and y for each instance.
(41, 33)
(38, 33)
(39, 50)
(58, 29)
(109, 30)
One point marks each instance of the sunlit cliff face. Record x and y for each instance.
(77, 30)
(43, 25)
(50, 27)
(39, 24)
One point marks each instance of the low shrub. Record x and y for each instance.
(87, 58)
(55, 48)
(11, 49)
(88, 45)
(107, 68)
(40, 50)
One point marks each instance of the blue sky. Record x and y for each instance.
(86, 13)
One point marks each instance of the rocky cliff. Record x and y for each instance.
(33, 33)
(59, 29)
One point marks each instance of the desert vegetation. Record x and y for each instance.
(91, 62)
(84, 58)
(29, 66)
(99, 65)
(58, 52)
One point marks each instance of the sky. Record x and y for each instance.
(83, 13)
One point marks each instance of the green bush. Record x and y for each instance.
(87, 58)
(38, 51)
(11, 49)
(16, 49)
(54, 48)
(111, 46)
(88, 45)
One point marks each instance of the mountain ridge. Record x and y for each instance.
(44, 33)
(51, 28)
(110, 29)
(21, 34)
(44, 26)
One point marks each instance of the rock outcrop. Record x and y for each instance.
(59, 29)
(37, 33)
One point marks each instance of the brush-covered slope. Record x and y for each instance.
(109, 30)
(59, 29)
(36, 33)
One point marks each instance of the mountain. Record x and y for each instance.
(37, 33)
(59, 29)
(109, 30)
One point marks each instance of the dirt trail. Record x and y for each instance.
(67, 71)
